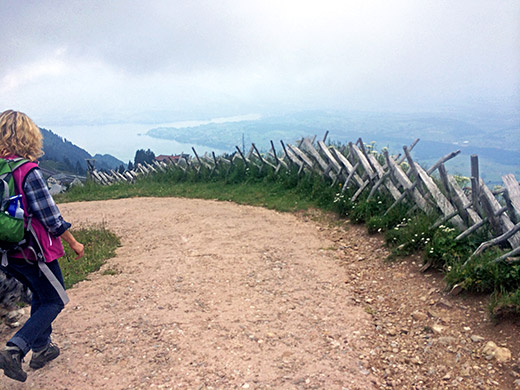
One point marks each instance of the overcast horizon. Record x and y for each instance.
(73, 62)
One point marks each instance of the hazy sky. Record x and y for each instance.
(73, 61)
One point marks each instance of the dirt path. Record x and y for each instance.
(209, 295)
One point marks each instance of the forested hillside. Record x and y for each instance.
(63, 155)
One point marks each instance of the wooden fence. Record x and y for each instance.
(356, 166)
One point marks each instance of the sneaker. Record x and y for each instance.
(41, 358)
(11, 362)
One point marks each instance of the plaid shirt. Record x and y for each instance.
(41, 205)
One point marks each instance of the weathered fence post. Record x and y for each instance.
(512, 197)
(475, 179)
(243, 158)
(407, 185)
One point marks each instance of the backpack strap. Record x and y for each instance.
(54, 281)
(5, 197)
(44, 268)
(40, 256)
(18, 162)
(13, 164)
(4, 257)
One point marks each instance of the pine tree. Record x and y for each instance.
(142, 156)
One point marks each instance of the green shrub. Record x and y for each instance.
(483, 274)
(505, 304)
(342, 204)
(382, 222)
(443, 251)
(410, 235)
(364, 209)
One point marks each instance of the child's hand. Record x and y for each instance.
(74, 245)
(79, 249)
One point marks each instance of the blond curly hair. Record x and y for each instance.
(19, 136)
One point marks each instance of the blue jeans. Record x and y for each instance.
(46, 304)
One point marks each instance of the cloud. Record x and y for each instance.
(78, 59)
(28, 73)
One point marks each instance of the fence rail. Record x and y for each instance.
(358, 167)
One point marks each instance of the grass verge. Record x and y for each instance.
(273, 193)
(100, 245)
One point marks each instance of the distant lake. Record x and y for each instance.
(122, 140)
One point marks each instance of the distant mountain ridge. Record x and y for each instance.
(492, 136)
(479, 130)
(62, 155)
(107, 161)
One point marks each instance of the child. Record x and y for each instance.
(20, 137)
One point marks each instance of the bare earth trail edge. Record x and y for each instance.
(214, 295)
